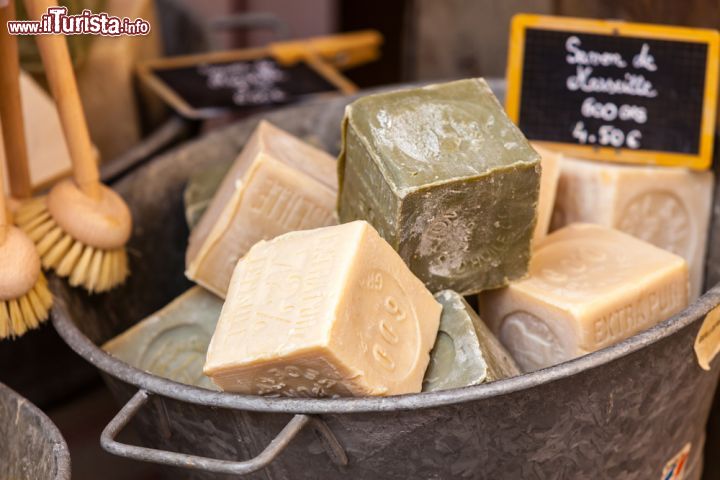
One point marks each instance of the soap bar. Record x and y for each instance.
(446, 179)
(550, 162)
(201, 189)
(277, 184)
(172, 342)
(327, 312)
(466, 352)
(202, 186)
(668, 207)
(589, 287)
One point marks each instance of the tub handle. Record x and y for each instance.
(126, 413)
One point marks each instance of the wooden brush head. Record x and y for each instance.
(103, 223)
(19, 265)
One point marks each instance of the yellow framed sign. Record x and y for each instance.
(616, 91)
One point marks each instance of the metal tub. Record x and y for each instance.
(32, 447)
(620, 413)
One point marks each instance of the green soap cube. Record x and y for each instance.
(465, 352)
(447, 180)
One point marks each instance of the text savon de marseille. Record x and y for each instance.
(57, 20)
(634, 84)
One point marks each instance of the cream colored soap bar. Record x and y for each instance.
(172, 342)
(278, 184)
(668, 207)
(550, 165)
(324, 312)
(589, 287)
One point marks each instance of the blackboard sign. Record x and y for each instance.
(203, 86)
(614, 90)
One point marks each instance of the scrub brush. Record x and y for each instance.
(81, 227)
(24, 295)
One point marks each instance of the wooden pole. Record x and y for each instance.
(4, 218)
(61, 78)
(13, 130)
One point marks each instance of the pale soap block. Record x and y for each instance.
(668, 207)
(278, 184)
(202, 186)
(172, 342)
(325, 312)
(466, 352)
(589, 287)
(550, 164)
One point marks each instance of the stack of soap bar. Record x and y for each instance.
(466, 352)
(668, 207)
(172, 342)
(278, 184)
(550, 162)
(446, 179)
(589, 287)
(324, 312)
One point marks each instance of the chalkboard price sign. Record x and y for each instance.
(203, 86)
(613, 90)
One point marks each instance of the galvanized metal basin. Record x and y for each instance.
(32, 447)
(620, 413)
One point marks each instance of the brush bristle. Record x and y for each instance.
(19, 315)
(94, 269)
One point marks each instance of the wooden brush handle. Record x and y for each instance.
(11, 115)
(60, 76)
(4, 220)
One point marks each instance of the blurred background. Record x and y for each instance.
(423, 40)
(431, 39)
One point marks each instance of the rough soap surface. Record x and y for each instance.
(668, 207)
(446, 179)
(466, 352)
(324, 312)
(277, 184)
(589, 287)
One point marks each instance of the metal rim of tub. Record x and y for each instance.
(60, 449)
(157, 385)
